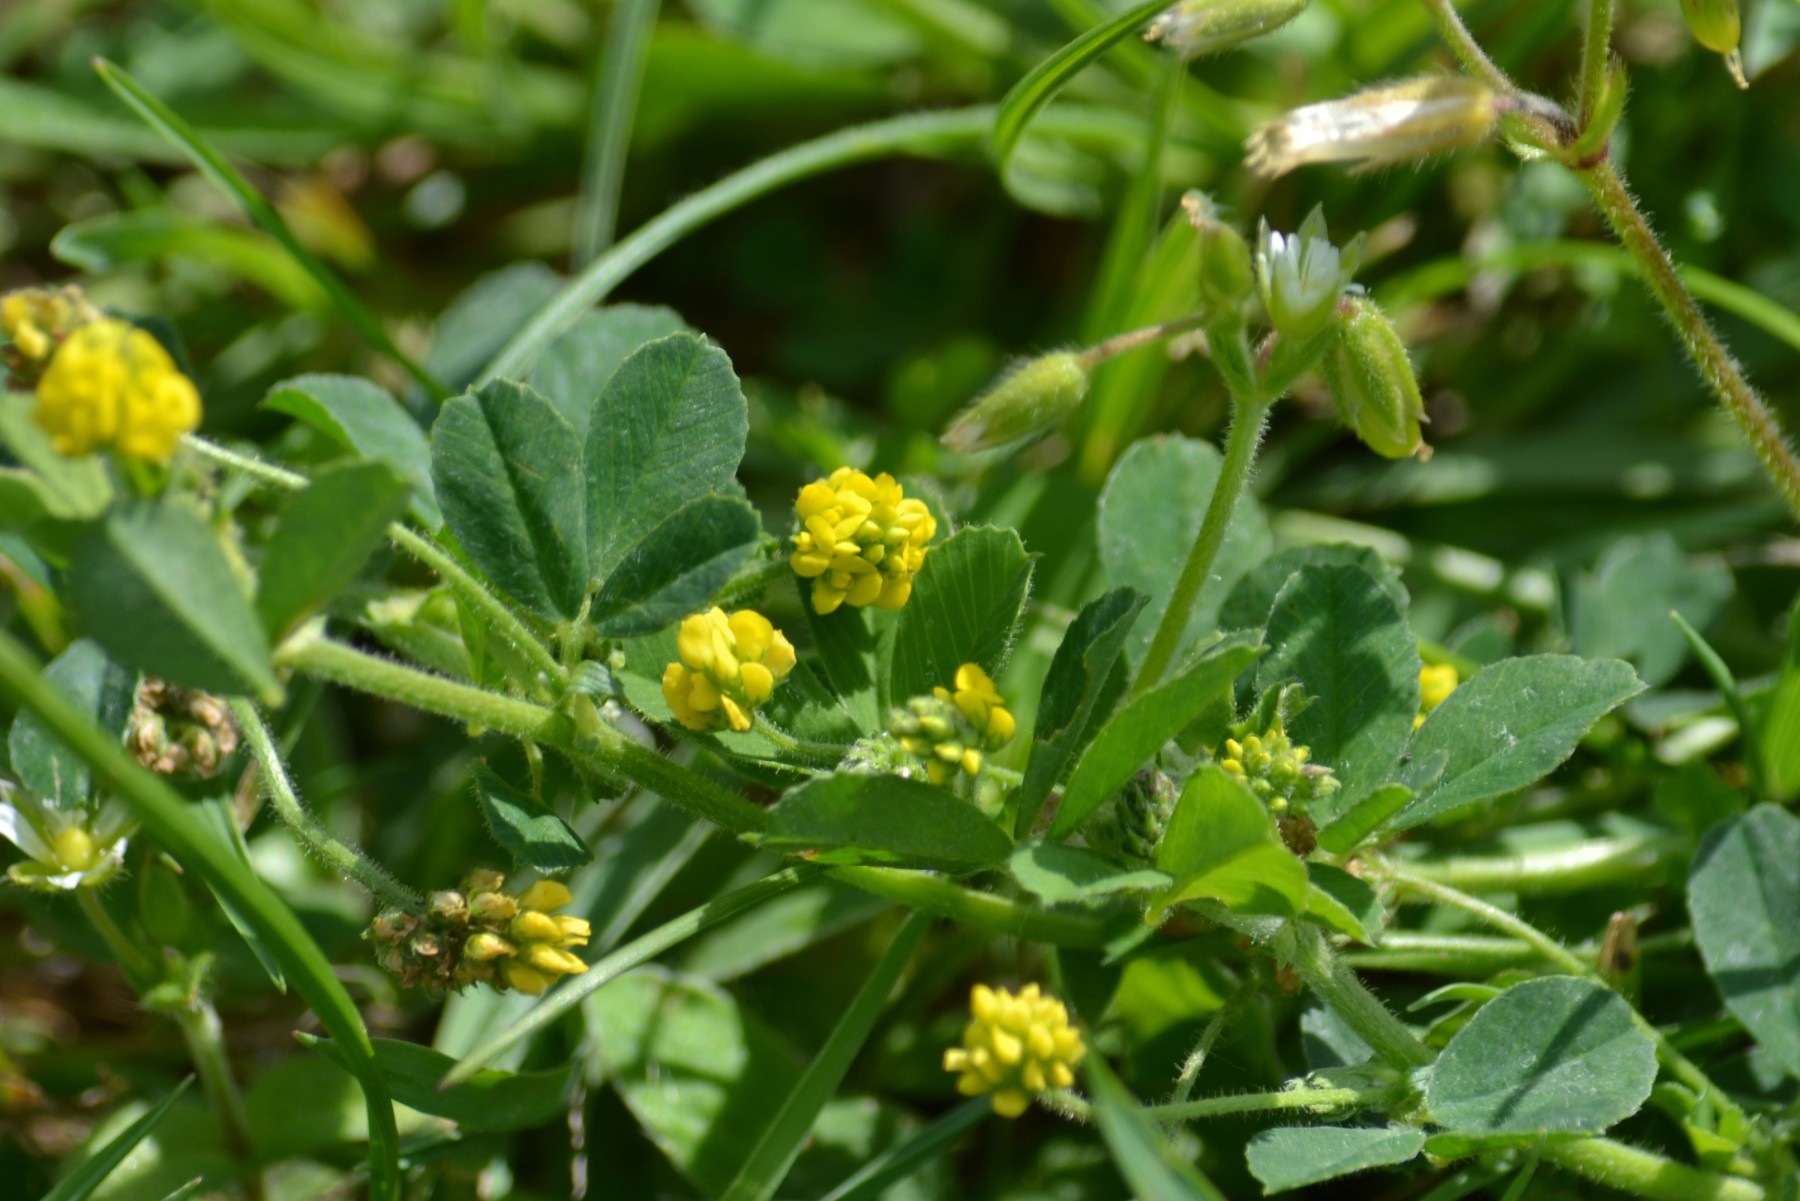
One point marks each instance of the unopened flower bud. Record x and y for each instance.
(492, 907)
(1226, 279)
(484, 879)
(1301, 276)
(1715, 25)
(1194, 28)
(1030, 400)
(450, 906)
(1377, 127)
(1372, 382)
(484, 946)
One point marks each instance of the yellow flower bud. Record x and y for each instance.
(1436, 683)
(545, 895)
(728, 667)
(38, 320)
(111, 383)
(861, 540)
(1394, 123)
(1014, 1047)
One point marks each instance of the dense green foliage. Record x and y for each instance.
(519, 328)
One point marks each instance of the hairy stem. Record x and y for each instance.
(1630, 1170)
(311, 832)
(1308, 1100)
(205, 1039)
(1462, 43)
(1716, 366)
(1190, 1067)
(1250, 417)
(1593, 863)
(1360, 1009)
(1596, 60)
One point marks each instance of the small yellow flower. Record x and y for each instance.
(980, 702)
(1436, 683)
(38, 319)
(1014, 1047)
(861, 540)
(112, 383)
(728, 666)
(949, 730)
(535, 951)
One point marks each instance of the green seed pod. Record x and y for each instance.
(1027, 402)
(1194, 28)
(1226, 277)
(1372, 382)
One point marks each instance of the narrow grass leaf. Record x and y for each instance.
(489, 1102)
(780, 1144)
(231, 181)
(1142, 1155)
(81, 1184)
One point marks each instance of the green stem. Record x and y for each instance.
(1462, 43)
(1309, 1100)
(1716, 366)
(1068, 1105)
(486, 606)
(599, 744)
(819, 754)
(1347, 997)
(931, 893)
(1190, 1067)
(1593, 863)
(137, 965)
(311, 832)
(1628, 1169)
(469, 591)
(204, 1036)
(616, 83)
(1596, 60)
(1249, 418)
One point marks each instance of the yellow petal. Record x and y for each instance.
(545, 895)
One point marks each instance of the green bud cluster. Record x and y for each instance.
(1277, 771)
(1130, 825)
(1193, 28)
(177, 731)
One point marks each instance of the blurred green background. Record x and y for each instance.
(433, 151)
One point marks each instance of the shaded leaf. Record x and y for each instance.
(534, 837)
(69, 488)
(1338, 632)
(1150, 513)
(668, 428)
(491, 1102)
(1140, 1152)
(326, 533)
(1254, 595)
(1621, 610)
(1058, 874)
(1077, 676)
(153, 587)
(360, 416)
(884, 819)
(100, 690)
(677, 568)
(577, 366)
(1744, 897)
(1351, 827)
(1141, 726)
(508, 472)
(1556, 1054)
(1343, 902)
(966, 604)
(1221, 844)
(1290, 1157)
(1508, 727)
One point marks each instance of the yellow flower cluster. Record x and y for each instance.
(861, 540)
(728, 666)
(38, 319)
(949, 730)
(534, 951)
(1436, 683)
(1014, 1047)
(1278, 772)
(111, 383)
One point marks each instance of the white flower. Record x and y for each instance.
(1301, 275)
(66, 849)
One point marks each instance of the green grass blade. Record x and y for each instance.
(1043, 81)
(609, 133)
(899, 1162)
(780, 1144)
(1140, 1152)
(638, 951)
(1734, 700)
(230, 180)
(81, 1183)
(169, 819)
